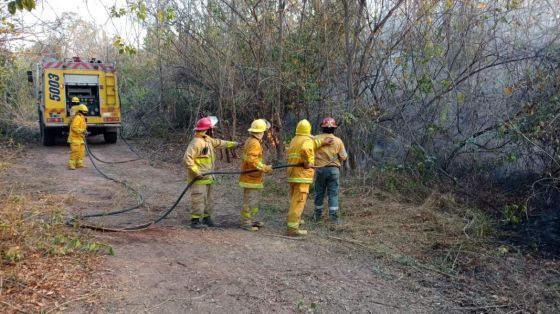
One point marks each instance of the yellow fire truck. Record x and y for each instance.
(92, 81)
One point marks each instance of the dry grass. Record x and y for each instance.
(450, 245)
(43, 264)
(433, 239)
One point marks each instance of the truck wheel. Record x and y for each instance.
(47, 136)
(110, 137)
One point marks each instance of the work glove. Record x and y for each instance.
(199, 177)
(267, 169)
(308, 166)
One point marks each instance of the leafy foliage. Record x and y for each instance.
(15, 5)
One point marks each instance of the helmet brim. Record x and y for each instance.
(214, 120)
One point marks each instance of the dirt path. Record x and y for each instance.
(173, 269)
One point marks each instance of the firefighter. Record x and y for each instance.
(252, 183)
(73, 108)
(199, 158)
(76, 138)
(75, 102)
(328, 160)
(301, 151)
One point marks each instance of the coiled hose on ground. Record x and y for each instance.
(78, 220)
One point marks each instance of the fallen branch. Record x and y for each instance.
(282, 237)
(158, 305)
(13, 307)
(385, 304)
(349, 241)
(435, 270)
(85, 296)
(475, 308)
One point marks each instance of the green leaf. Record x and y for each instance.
(12, 7)
(160, 15)
(29, 4)
(392, 87)
(19, 4)
(171, 15)
(117, 42)
(425, 83)
(460, 97)
(142, 11)
(76, 243)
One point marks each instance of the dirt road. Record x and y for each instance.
(173, 269)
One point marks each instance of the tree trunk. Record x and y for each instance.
(279, 102)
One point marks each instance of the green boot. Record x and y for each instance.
(210, 223)
(333, 216)
(196, 224)
(247, 224)
(318, 215)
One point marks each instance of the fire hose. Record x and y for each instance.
(77, 220)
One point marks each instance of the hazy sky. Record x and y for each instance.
(95, 11)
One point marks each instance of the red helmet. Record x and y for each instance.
(328, 123)
(203, 124)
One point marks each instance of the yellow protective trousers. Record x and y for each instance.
(251, 199)
(202, 203)
(298, 195)
(77, 155)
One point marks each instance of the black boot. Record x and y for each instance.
(196, 224)
(318, 214)
(333, 215)
(210, 223)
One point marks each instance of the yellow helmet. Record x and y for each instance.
(303, 127)
(259, 126)
(82, 108)
(75, 99)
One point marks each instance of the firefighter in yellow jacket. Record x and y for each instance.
(76, 138)
(301, 151)
(199, 159)
(252, 183)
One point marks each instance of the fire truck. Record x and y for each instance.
(93, 82)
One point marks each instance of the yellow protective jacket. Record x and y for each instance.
(77, 129)
(302, 150)
(252, 159)
(199, 156)
(330, 155)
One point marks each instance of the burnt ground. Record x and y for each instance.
(539, 234)
(171, 268)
